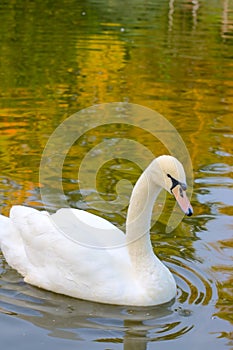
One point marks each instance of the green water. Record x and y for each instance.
(174, 57)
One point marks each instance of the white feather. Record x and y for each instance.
(79, 254)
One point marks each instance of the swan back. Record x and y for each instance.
(87, 229)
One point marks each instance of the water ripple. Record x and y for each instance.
(70, 318)
(194, 287)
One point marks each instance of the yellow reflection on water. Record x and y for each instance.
(174, 57)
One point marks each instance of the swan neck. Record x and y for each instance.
(139, 215)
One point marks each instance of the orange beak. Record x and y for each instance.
(182, 199)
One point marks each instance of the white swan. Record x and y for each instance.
(33, 243)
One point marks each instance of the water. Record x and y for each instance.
(172, 56)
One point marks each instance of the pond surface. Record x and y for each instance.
(174, 57)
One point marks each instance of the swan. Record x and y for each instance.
(126, 272)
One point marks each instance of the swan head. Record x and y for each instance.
(171, 176)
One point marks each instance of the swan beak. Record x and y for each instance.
(182, 199)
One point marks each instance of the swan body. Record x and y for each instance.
(79, 254)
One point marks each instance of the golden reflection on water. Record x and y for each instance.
(174, 57)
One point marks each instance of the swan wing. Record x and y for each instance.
(49, 259)
(88, 229)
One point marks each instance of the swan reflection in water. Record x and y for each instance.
(76, 319)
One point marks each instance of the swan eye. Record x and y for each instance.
(183, 186)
